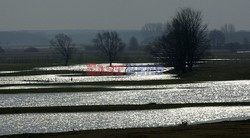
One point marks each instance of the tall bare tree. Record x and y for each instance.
(110, 44)
(62, 43)
(184, 42)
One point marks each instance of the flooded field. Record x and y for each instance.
(227, 91)
(60, 78)
(61, 122)
(139, 74)
(206, 92)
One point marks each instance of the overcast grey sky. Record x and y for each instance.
(114, 14)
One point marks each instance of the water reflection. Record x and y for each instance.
(227, 91)
(44, 123)
(71, 78)
(44, 79)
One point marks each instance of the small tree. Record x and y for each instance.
(110, 44)
(184, 42)
(63, 45)
(133, 44)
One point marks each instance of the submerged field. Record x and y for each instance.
(50, 99)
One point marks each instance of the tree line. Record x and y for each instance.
(223, 39)
(180, 43)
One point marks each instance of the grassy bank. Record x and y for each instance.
(57, 90)
(102, 108)
(233, 129)
(220, 71)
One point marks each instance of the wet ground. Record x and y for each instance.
(61, 122)
(206, 92)
(223, 91)
(140, 72)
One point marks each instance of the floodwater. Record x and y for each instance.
(140, 74)
(61, 122)
(60, 78)
(207, 92)
(225, 91)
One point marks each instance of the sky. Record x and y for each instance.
(115, 14)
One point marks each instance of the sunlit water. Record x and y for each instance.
(138, 75)
(60, 122)
(83, 67)
(48, 86)
(8, 72)
(36, 79)
(227, 91)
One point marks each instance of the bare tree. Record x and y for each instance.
(62, 43)
(217, 38)
(133, 44)
(184, 42)
(110, 44)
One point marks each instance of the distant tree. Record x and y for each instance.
(217, 38)
(184, 42)
(153, 28)
(31, 49)
(246, 44)
(62, 43)
(110, 44)
(133, 44)
(151, 31)
(233, 46)
(228, 30)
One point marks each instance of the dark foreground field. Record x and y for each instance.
(236, 129)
